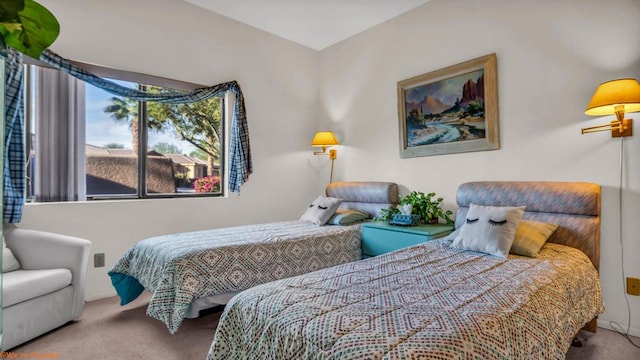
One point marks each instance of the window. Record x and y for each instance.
(86, 143)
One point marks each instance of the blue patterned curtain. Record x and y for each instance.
(14, 153)
(240, 166)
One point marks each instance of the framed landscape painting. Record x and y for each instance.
(451, 110)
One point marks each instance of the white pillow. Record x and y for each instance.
(9, 261)
(452, 236)
(489, 229)
(321, 210)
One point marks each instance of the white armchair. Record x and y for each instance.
(47, 291)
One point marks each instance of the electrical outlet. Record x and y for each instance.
(98, 260)
(633, 286)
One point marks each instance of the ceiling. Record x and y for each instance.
(312, 23)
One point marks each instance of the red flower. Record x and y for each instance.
(207, 184)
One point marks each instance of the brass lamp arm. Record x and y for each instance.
(624, 128)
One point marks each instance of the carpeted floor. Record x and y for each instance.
(108, 331)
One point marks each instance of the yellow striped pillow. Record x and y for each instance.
(530, 237)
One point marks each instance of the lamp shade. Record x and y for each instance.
(614, 93)
(324, 138)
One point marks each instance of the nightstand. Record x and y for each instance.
(379, 238)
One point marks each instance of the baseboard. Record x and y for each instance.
(100, 296)
(604, 323)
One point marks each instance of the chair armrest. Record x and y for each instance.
(37, 250)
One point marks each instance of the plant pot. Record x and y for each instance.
(432, 221)
(405, 220)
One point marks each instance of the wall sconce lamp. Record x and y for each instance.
(615, 97)
(326, 139)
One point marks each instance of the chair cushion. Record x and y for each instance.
(9, 261)
(21, 285)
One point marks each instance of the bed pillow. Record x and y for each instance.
(321, 210)
(489, 229)
(347, 217)
(530, 237)
(453, 235)
(9, 261)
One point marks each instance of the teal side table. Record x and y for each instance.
(379, 238)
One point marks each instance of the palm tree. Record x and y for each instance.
(125, 110)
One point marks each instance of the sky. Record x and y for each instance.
(446, 90)
(102, 129)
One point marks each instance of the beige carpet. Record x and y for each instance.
(108, 331)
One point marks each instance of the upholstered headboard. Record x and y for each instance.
(573, 206)
(366, 196)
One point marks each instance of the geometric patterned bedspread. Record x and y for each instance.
(179, 268)
(427, 301)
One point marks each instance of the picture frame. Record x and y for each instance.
(451, 110)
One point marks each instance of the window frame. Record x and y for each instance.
(142, 80)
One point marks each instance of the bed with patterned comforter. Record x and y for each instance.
(426, 301)
(434, 301)
(179, 268)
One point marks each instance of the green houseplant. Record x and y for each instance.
(428, 209)
(27, 26)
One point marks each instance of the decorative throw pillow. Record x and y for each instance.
(321, 210)
(452, 236)
(530, 237)
(9, 261)
(489, 229)
(347, 217)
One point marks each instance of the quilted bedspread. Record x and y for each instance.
(181, 267)
(426, 301)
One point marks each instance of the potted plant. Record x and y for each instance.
(427, 209)
(27, 26)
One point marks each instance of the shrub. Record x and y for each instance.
(207, 184)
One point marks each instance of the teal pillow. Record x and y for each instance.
(347, 217)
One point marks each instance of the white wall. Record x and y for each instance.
(174, 39)
(551, 57)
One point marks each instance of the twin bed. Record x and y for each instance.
(426, 301)
(193, 271)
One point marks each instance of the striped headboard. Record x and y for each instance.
(366, 196)
(573, 206)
